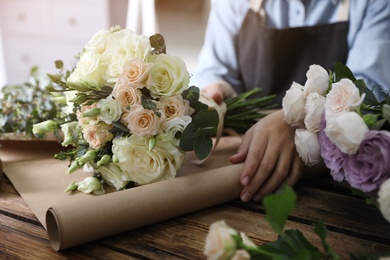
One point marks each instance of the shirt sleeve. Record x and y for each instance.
(217, 59)
(369, 54)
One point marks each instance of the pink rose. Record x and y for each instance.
(135, 72)
(142, 122)
(126, 95)
(175, 106)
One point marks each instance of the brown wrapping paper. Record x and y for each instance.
(75, 219)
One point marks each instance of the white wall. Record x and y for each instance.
(3, 78)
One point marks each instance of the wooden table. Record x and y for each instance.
(354, 227)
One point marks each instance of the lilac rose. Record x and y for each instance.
(370, 166)
(332, 156)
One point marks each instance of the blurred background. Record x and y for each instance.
(38, 32)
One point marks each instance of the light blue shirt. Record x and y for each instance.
(368, 36)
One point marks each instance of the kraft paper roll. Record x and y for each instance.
(72, 224)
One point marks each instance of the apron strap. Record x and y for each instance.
(342, 15)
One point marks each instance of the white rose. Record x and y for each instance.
(142, 122)
(307, 146)
(219, 241)
(384, 199)
(346, 130)
(294, 105)
(344, 96)
(114, 176)
(123, 45)
(88, 73)
(126, 95)
(110, 110)
(132, 154)
(135, 73)
(175, 106)
(70, 132)
(315, 105)
(168, 76)
(317, 80)
(98, 42)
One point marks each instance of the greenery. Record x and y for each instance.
(23, 105)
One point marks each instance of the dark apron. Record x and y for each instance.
(272, 59)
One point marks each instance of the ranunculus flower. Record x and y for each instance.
(317, 80)
(175, 106)
(346, 130)
(114, 176)
(69, 95)
(315, 105)
(370, 166)
(384, 199)
(307, 146)
(135, 73)
(294, 105)
(110, 110)
(97, 135)
(70, 133)
(123, 45)
(142, 122)
(168, 76)
(344, 96)
(219, 241)
(332, 156)
(132, 154)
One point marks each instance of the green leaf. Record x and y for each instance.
(158, 44)
(187, 137)
(370, 98)
(291, 245)
(59, 64)
(320, 230)
(278, 206)
(206, 118)
(370, 119)
(202, 146)
(386, 112)
(152, 143)
(341, 71)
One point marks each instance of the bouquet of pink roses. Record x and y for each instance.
(339, 120)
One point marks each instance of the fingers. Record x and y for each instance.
(219, 91)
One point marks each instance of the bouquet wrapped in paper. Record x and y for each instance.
(130, 115)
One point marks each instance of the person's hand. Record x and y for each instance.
(219, 91)
(269, 157)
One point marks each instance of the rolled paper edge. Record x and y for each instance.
(79, 222)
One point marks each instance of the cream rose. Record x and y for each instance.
(308, 147)
(168, 76)
(344, 96)
(135, 73)
(175, 106)
(294, 105)
(315, 105)
(142, 122)
(110, 110)
(317, 80)
(126, 95)
(346, 130)
(97, 135)
(124, 45)
(132, 155)
(98, 42)
(384, 199)
(114, 176)
(219, 241)
(88, 73)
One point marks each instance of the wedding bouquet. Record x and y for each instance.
(130, 114)
(339, 120)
